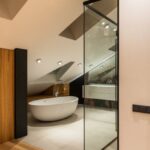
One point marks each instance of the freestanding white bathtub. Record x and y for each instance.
(53, 109)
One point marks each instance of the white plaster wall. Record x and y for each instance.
(134, 73)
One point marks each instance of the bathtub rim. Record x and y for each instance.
(76, 99)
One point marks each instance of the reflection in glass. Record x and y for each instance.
(100, 89)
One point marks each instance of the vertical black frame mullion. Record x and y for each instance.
(20, 93)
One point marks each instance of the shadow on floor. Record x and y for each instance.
(35, 123)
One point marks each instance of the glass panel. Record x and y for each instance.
(100, 90)
(106, 7)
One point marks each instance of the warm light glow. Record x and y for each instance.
(107, 27)
(115, 29)
(103, 23)
(38, 61)
(60, 63)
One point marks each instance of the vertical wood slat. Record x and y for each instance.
(6, 95)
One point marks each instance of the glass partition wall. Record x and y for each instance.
(101, 75)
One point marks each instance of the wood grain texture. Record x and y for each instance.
(17, 145)
(62, 89)
(6, 95)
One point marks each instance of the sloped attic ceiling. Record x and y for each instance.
(75, 29)
(10, 8)
(36, 27)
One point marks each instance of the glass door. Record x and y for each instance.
(101, 75)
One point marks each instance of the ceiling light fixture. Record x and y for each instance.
(107, 26)
(115, 29)
(103, 23)
(60, 63)
(38, 61)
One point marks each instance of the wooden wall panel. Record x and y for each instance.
(6, 95)
(62, 89)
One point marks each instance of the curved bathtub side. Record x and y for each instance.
(53, 112)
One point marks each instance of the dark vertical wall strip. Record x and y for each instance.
(20, 93)
(76, 88)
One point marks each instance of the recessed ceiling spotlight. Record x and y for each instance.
(107, 26)
(80, 64)
(38, 61)
(60, 63)
(103, 23)
(115, 29)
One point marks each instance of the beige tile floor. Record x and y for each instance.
(100, 128)
(68, 134)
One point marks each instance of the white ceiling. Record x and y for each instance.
(37, 27)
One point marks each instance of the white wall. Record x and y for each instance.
(134, 73)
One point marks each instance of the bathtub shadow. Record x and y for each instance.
(36, 123)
